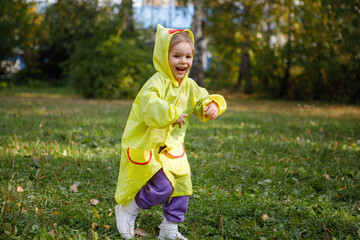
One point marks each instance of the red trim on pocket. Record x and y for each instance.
(128, 153)
(176, 156)
(171, 31)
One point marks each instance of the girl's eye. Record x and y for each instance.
(189, 57)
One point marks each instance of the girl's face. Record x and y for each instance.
(180, 59)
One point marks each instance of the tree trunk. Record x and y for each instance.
(244, 69)
(285, 84)
(128, 22)
(126, 15)
(268, 12)
(197, 70)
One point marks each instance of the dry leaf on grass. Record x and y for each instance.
(96, 214)
(19, 189)
(141, 232)
(93, 226)
(265, 217)
(52, 233)
(94, 201)
(73, 188)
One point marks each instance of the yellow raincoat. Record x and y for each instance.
(157, 106)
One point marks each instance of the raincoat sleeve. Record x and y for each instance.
(155, 111)
(204, 98)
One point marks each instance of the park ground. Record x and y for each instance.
(263, 170)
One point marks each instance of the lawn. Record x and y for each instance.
(263, 170)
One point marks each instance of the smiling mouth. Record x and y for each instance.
(181, 69)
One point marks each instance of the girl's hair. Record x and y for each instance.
(181, 37)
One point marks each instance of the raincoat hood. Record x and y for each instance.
(161, 50)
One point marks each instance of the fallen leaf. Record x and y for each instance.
(284, 160)
(52, 233)
(107, 227)
(327, 176)
(93, 225)
(110, 214)
(265, 217)
(55, 213)
(96, 214)
(19, 189)
(141, 232)
(73, 188)
(94, 201)
(309, 132)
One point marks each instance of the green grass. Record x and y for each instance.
(45, 91)
(263, 170)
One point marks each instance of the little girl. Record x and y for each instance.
(154, 168)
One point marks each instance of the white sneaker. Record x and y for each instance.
(169, 230)
(125, 218)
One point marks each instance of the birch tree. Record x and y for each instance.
(198, 24)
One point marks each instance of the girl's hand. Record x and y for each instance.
(180, 120)
(211, 111)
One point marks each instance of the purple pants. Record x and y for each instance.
(158, 191)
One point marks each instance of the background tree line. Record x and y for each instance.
(288, 49)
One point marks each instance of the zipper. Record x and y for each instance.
(175, 103)
(177, 98)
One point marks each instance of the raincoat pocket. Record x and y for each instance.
(176, 153)
(139, 166)
(177, 169)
